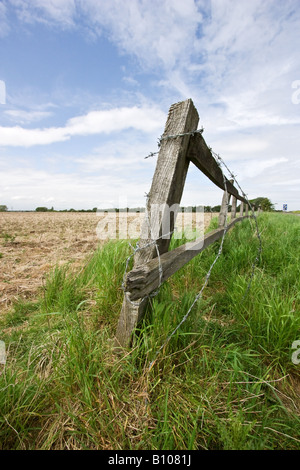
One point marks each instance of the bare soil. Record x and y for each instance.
(32, 243)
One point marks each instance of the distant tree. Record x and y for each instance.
(41, 209)
(216, 209)
(3, 208)
(94, 209)
(264, 203)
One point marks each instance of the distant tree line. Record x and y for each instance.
(263, 202)
(45, 209)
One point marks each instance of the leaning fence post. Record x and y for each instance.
(166, 190)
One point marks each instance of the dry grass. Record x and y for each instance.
(32, 243)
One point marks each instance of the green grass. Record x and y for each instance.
(225, 380)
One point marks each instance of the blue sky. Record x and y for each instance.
(88, 85)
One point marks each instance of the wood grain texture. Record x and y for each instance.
(143, 279)
(224, 207)
(166, 190)
(233, 208)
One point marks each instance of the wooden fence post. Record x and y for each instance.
(242, 209)
(166, 190)
(233, 208)
(247, 210)
(225, 202)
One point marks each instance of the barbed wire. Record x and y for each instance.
(220, 162)
(207, 277)
(138, 248)
(173, 136)
(259, 251)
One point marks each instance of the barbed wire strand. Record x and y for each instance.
(138, 248)
(219, 162)
(199, 295)
(167, 137)
(259, 250)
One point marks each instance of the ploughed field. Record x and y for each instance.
(32, 243)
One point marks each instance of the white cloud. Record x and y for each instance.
(145, 119)
(19, 137)
(158, 33)
(28, 188)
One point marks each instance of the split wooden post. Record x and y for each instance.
(223, 211)
(166, 190)
(233, 208)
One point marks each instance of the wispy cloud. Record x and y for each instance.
(26, 117)
(4, 23)
(54, 12)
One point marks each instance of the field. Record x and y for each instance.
(226, 379)
(31, 243)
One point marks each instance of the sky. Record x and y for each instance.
(86, 85)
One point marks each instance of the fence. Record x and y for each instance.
(180, 144)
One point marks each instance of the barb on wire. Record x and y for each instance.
(151, 154)
(173, 136)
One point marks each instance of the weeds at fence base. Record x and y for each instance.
(224, 381)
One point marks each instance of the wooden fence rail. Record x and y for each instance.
(174, 157)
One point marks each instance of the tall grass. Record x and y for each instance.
(225, 380)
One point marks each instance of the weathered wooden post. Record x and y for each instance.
(233, 208)
(247, 211)
(166, 190)
(241, 209)
(223, 211)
